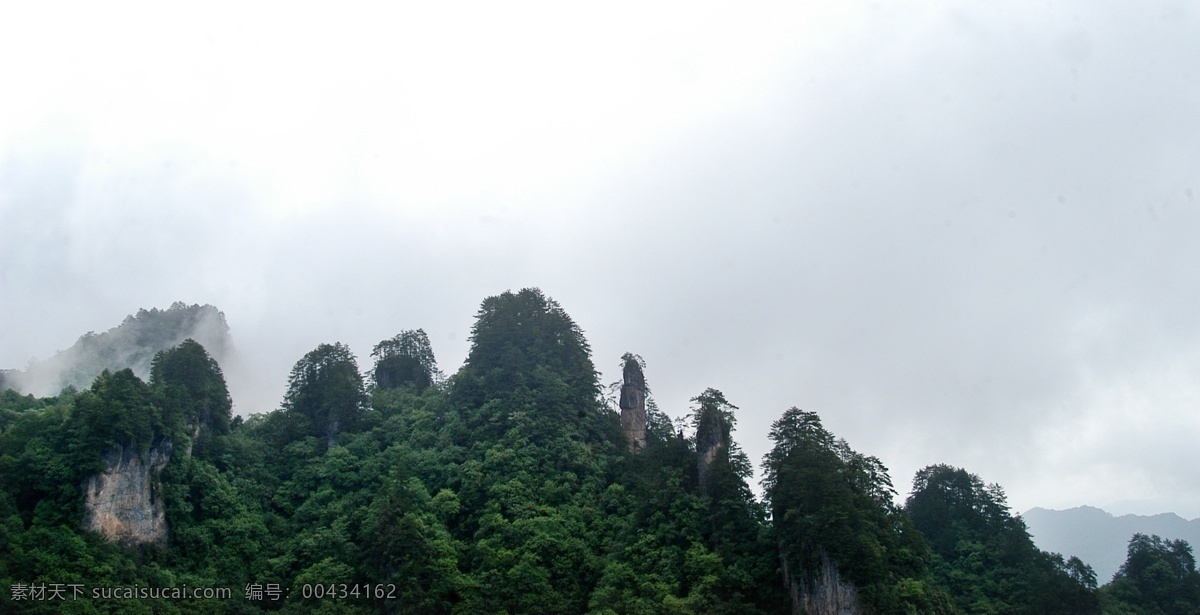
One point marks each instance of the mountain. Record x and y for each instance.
(513, 485)
(132, 344)
(1099, 538)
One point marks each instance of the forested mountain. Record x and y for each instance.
(1100, 538)
(511, 486)
(132, 345)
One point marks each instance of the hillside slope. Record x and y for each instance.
(1100, 538)
(132, 344)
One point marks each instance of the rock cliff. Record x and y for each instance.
(712, 435)
(822, 593)
(633, 405)
(123, 502)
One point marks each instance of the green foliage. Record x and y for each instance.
(1158, 577)
(737, 528)
(636, 359)
(833, 507)
(191, 388)
(713, 421)
(530, 370)
(507, 488)
(132, 345)
(516, 334)
(408, 544)
(13, 405)
(38, 475)
(404, 360)
(118, 411)
(211, 522)
(325, 393)
(985, 556)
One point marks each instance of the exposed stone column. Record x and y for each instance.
(633, 405)
(711, 434)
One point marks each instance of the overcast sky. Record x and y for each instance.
(962, 233)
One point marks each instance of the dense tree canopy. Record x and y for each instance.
(530, 368)
(714, 422)
(515, 335)
(131, 345)
(985, 556)
(190, 383)
(508, 488)
(325, 392)
(1158, 577)
(118, 411)
(839, 532)
(406, 359)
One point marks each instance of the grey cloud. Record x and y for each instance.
(934, 254)
(947, 231)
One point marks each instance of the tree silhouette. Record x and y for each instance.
(325, 392)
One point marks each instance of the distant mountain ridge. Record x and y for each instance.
(1100, 538)
(132, 344)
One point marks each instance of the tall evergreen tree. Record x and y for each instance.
(514, 334)
(119, 410)
(736, 529)
(530, 367)
(406, 359)
(192, 388)
(325, 392)
(843, 542)
(1159, 576)
(985, 556)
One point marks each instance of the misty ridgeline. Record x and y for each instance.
(518, 484)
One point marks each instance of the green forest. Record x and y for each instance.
(518, 484)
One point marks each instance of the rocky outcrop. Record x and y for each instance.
(195, 436)
(822, 593)
(633, 405)
(711, 436)
(122, 502)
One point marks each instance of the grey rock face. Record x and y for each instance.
(825, 593)
(122, 502)
(711, 436)
(633, 405)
